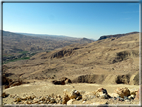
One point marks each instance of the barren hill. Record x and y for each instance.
(14, 42)
(107, 61)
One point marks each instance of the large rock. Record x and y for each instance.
(102, 93)
(58, 82)
(138, 94)
(65, 99)
(74, 94)
(123, 92)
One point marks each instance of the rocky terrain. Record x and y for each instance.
(105, 64)
(44, 92)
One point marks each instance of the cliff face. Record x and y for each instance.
(117, 35)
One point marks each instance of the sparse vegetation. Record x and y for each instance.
(13, 60)
(23, 52)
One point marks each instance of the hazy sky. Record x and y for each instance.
(90, 20)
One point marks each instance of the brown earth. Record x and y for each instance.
(107, 62)
(43, 88)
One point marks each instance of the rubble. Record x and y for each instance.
(75, 96)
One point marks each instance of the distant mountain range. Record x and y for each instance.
(15, 42)
(46, 36)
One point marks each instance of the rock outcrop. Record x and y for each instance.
(62, 81)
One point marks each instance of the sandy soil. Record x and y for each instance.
(43, 88)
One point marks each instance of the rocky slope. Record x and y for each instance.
(107, 61)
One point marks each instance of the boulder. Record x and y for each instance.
(65, 99)
(123, 92)
(102, 93)
(58, 82)
(75, 94)
(137, 95)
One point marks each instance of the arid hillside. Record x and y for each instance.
(108, 61)
(23, 46)
(14, 42)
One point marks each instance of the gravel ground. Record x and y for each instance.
(44, 88)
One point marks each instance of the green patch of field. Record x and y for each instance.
(13, 60)
(23, 52)
(7, 55)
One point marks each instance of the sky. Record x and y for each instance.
(90, 20)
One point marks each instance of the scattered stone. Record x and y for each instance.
(127, 100)
(52, 100)
(120, 99)
(83, 102)
(70, 101)
(131, 97)
(73, 94)
(35, 100)
(79, 97)
(24, 98)
(133, 93)
(17, 99)
(4, 94)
